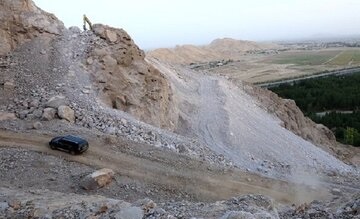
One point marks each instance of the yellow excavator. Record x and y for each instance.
(86, 21)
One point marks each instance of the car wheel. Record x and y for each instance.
(52, 147)
(72, 152)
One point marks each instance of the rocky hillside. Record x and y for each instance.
(165, 141)
(125, 80)
(116, 66)
(219, 49)
(21, 21)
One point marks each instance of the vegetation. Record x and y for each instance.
(315, 57)
(347, 57)
(332, 94)
(305, 57)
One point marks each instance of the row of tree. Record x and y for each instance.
(346, 127)
(333, 93)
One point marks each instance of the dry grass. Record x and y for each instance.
(348, 57)
(313, 57)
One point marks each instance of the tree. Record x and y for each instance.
(349, 135)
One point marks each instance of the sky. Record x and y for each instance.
(167, 23)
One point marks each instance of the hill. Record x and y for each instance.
(218, 49)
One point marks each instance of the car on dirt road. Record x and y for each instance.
(70, 143)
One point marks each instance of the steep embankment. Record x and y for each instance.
(218, 49)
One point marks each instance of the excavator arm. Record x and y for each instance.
(86, 21)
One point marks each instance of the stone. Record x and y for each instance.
(89, 61)
(25, 104)
(109, 61)
(37, 125)
(85, 91)
(146, 204)
(124, 121)
(75, 29)
(111, 36)
(9, 86)
(57, 101)
(15, 204)
(48, 114)
(3, 206)
(65, 112)
(97, 179)
(23, 114)
(7, 116)
(110, 130)
(238, 215)
(336, 191)
(129, 213)
(99, 30)
(40, 212)
(34, 103)
(38, 113)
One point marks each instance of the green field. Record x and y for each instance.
(304, 57)
(346, 58)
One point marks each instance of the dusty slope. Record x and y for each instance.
(218, 49)
(236, 125)
(294, 120)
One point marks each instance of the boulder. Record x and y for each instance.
(38, 113)
(37, 125)
(56, 101)
(75, 29)
(89, 61)
(34, 103)
(48, 114)
(9, 86)
(15, 204)
(111, 36)
(129, 213)
(109, 61)
(97, 179)
(66, 113)
(23, 114)
(238, 215)
(336, 191)
(7, 116)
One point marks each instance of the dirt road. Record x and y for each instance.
(171, 170)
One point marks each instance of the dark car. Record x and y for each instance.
(69, 143)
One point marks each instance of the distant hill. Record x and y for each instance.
(218, 49)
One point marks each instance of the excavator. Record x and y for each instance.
(86, 21)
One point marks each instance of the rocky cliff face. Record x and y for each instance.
(125, 80)
(21, 20)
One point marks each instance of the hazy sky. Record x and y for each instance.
(166, 23)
